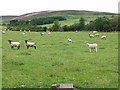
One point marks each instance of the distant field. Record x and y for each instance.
(72, 19)
(54, 61)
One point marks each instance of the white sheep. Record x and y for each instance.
(96, 34)
(69, 40)
(91, 35)
(14, 44)
(2, 32)
(30, 44)
(42, 33)
(92, 46)
(23, 33)
(103, 37)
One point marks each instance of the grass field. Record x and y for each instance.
(54, 61)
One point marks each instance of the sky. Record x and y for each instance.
(20, 7)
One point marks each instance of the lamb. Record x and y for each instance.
(14, 44)
(103, 37)
(69, 40)
(92, 46)
(30, 44)
(91, 35)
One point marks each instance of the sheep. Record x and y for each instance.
(103, 37)
(76, 31)
(23, 33)
(96, 34)
(42, 33)
(2, 32)
(69, 40)
(91, 35)
(14, 44)
(92, 46)
(30, 44)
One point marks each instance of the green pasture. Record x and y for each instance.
(55, 61)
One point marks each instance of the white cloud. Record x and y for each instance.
(18, 7)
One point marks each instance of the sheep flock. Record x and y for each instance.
(29, 44)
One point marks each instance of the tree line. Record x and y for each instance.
(99, 24)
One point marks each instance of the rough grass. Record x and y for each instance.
(54, 61)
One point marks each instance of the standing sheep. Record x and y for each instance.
(92, 46)
(91, 35)
(14, 44)
(30, 44)
(96, 34)
(23, 33)
(103, 37)
(42, 33)
(69, 40)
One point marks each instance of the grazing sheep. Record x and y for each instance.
(94, 32)
(42, 33)
(91, 35)
(14, 44)
(30, 44)
(97, 34)
(92, 46)
(103, 37)
(69, 40)
(76, 31)
(23, 33)
(2, 32)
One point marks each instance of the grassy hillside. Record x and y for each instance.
(74, 14)
(54, 61)
(67, 13)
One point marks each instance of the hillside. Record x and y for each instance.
(67, 13)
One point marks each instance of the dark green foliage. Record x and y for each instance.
(56, 26)
(82, 24)
(103, 24)
(99, 24)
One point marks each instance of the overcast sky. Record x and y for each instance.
(19, 7)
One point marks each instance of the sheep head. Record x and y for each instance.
(9, 41)
(26, 41)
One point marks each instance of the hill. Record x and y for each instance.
(67, 13)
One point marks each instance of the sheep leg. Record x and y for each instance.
(96, 49)
(11, 46)
(27, 47)
(90, 49)
(18, 47)
(35, 47)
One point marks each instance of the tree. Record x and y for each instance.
(81, 24)
(56, 26)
